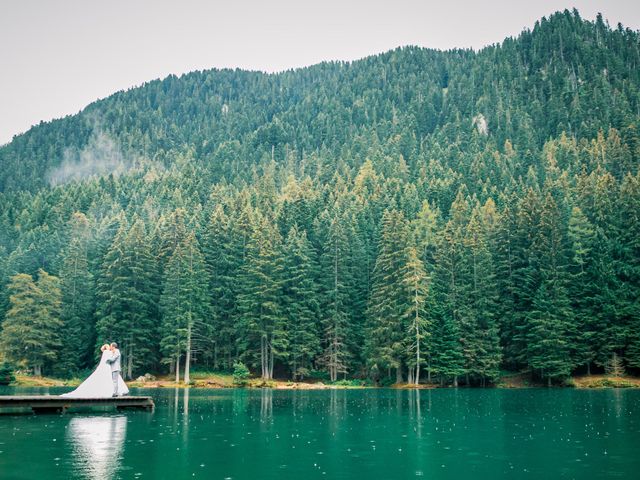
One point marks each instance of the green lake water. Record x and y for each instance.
(368, 434)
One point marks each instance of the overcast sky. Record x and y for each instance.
(57, 56)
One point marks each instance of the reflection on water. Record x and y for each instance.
(415, 411)
(339, 434)
(185, 400)
(266, 405)
(96, 444)
(239, 401)
(185, 417)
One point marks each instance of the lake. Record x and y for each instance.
(372, 434)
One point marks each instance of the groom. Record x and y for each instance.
(114, 361)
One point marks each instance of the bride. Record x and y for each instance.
(99, 384)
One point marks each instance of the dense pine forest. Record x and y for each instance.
(417, 215)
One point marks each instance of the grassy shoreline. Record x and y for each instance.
(510, 381)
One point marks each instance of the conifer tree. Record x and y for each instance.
(414, 316)
(550, 321)
(447, 360)
(300, 302)
(172, 230)
(452, 277)
(525, 274)
(630, 263)
(582, 287)
(335, 282)
(226, 256)
(392, 297)
(184, 305)
(127, 299)
(4, 298)
(222, 262)
(481, 295)
(262, 324)
(77, 299)
(30, 334)
(359, 263)
(548, 346)
(607, 301)
(426, 227)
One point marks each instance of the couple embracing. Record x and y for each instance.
(105, 381)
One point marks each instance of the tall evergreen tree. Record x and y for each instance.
(184, 305)
(481, 295)
(335, 282)
(550, 321)
(384, 348)
(525, 274)
(262, 323)
(582, 286)
(222, 262)
(447, 359)
(172, 230)
(77, 299)
(30, 334)
(452, 277)
(630, 264)
(128, 297)
(419, 329)
(300, 302)
(397, 299)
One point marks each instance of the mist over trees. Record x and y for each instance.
(415, 215)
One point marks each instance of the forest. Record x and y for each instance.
(414, 216)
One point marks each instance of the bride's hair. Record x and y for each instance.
(104, 347)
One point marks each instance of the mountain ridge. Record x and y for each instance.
(280, 95)
(424, 215)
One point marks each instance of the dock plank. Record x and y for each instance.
(54, 403)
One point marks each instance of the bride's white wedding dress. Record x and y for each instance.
(99, 384)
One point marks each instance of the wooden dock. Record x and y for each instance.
(56, 404)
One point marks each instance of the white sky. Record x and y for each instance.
(57, 56)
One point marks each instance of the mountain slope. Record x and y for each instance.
(412, 215)
(564, 75)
